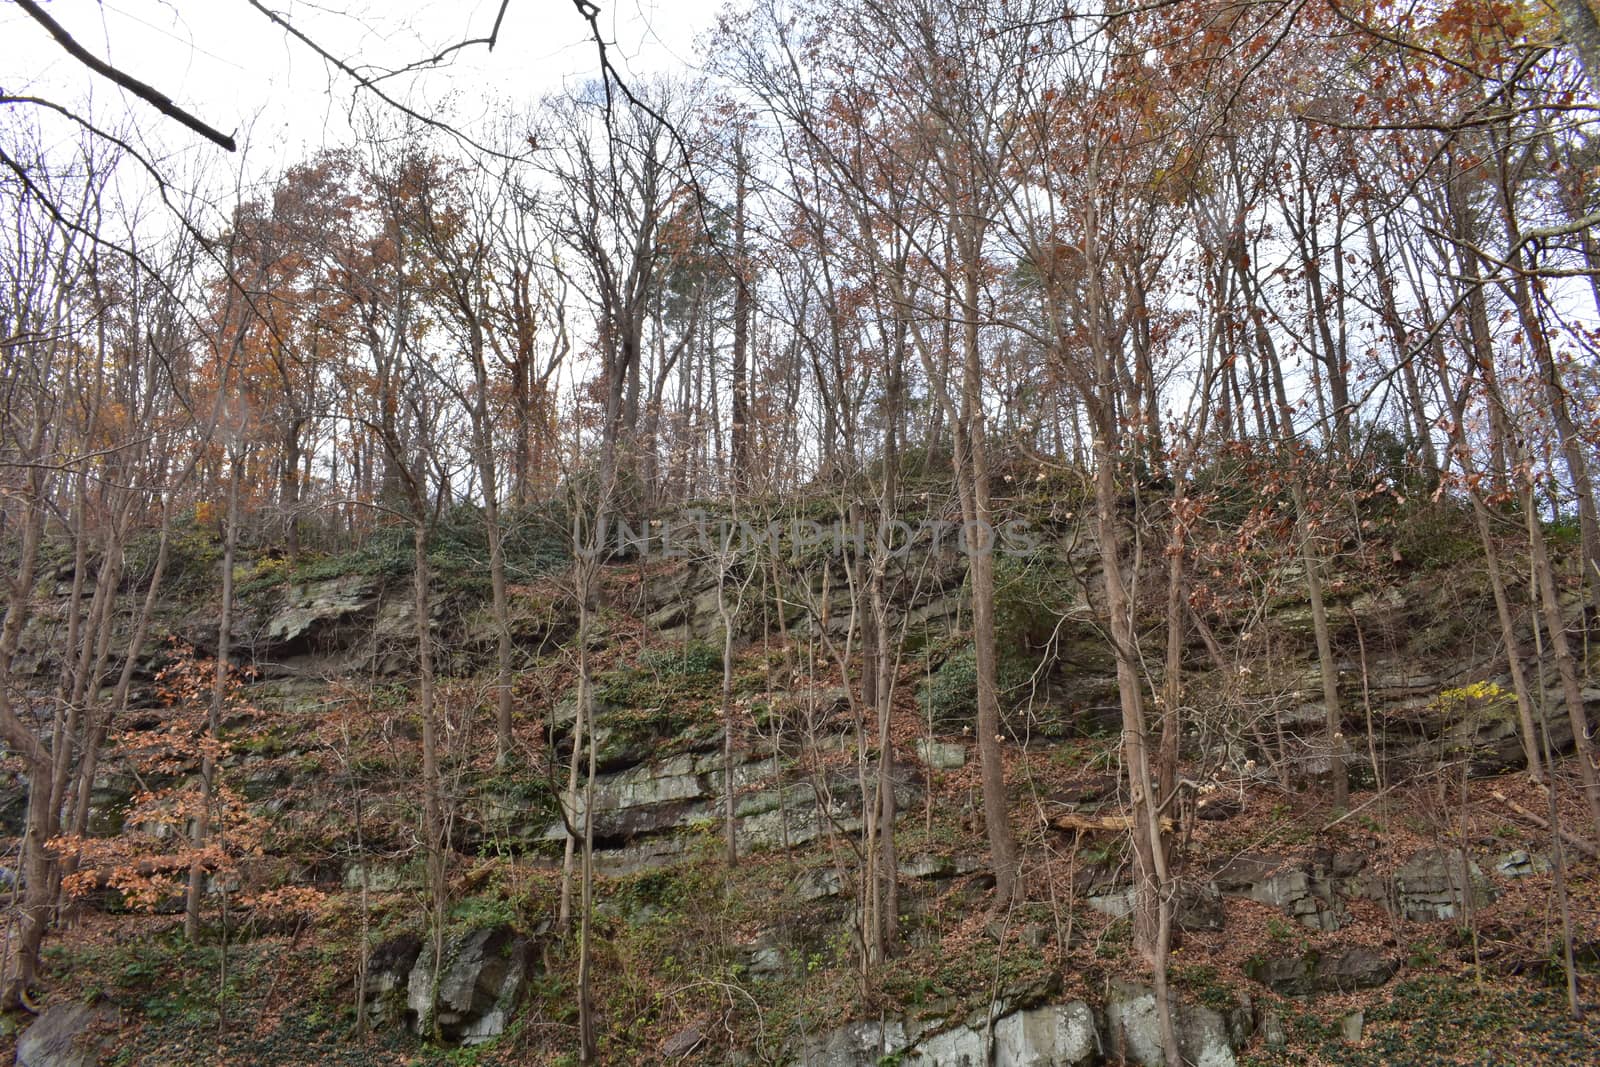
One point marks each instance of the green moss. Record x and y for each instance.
(1030, 596)
(1201, 982)
(255, 581)
(1430, 535)
(951, 695)
(533, 541)
(193, 557)
(684, 661)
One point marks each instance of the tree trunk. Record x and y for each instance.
(483, 434)
(1482, 520)
(588, 1051)
(34, 915)
(1311, 560)
(1420, 424)
(289, 486)
(1566, 667)
(1338, 773)
(98, 727)
(432, 780)
(1152, 924)
(730, 824)
(504, 740)
(980, 562)
(1582, 33)
(219, 695)
(1524, 297)
(740, 432)
(883, 644)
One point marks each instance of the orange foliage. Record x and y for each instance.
(148, 863)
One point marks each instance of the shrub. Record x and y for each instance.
(952, 692)
(1030, 596)
(1477, 701)
(1433, 534)
(951, 695)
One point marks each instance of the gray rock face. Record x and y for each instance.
(652, 785)
(858, 1044)
(1521, 864)
(1199, 908)
(1039, 1035)
(934, 865)
(768, 962)
(381, 877)
(649, 854)
(63, 1036)
(1308, 893)
(388, 974)
(792, 814)
(479, 983)
(683, 603)
(319, 605)
(666, 795)
(1050, 1035)
(1436, 884)
(941, 755)
(697, 617)
(1270, 1025)
(349, 624)
(1058, 1035)
(961, 1047)
(1205, 1036)
(682, 1043)
(1336, 972)
(1431, 885)
(646, 803)
(765, 823)
(818, 883)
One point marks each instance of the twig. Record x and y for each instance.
(1117, 823)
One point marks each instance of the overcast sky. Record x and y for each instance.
(223, 61)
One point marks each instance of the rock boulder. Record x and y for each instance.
(64, 1035)
(478, 985)
(1331, 972)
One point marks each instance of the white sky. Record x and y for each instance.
(224, 62)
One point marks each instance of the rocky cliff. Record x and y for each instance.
(1288, 916)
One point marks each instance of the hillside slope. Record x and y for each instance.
(1422, 924)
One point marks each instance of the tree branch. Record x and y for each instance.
(154, 97)
(371, 83)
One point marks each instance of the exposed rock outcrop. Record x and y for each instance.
(478, 985)
(1342, 971)
(1206, 1037)
(637, 811)
(479, 981)
(1308, 892)
(1027, 1032)
(1060, 1035)
(1438, 884)
(64, 1035)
